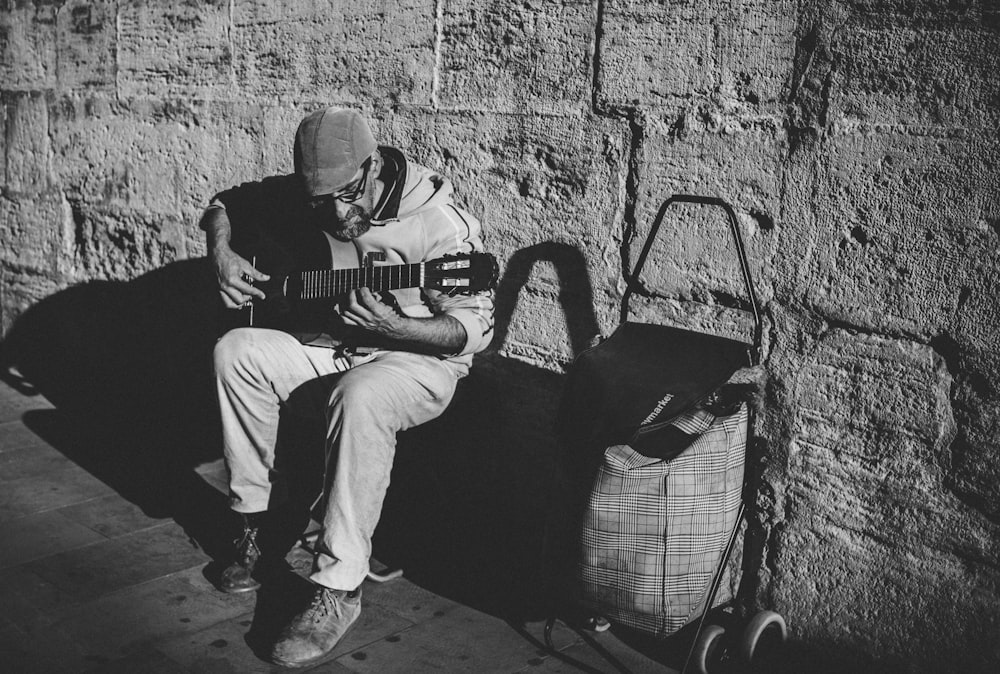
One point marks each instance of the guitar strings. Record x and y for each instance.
(324, 283)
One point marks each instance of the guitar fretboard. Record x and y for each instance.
(325, 283)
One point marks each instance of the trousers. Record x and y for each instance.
(365, 401)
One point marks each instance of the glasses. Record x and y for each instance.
(349, 194)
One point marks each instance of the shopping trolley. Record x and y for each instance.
(659, 424)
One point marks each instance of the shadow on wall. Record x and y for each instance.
(484, 470)
(128, 367)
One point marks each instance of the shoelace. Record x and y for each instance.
(247, 543)
(323, 603)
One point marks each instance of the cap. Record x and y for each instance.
(330, 146)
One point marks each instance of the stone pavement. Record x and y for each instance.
(92, 581)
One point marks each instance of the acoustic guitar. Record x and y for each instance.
(285, 292)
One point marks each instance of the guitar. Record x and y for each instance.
(294, 299)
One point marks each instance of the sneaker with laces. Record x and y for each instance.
(238, 576)
(313, 634)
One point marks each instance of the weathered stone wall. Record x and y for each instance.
(857, 140)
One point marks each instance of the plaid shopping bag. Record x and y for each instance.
(654, 530)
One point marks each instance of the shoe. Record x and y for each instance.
(314, 633)
(261, 547)
(238, 576)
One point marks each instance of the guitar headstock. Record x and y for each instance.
(462, 273)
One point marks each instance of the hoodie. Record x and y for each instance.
(415, 220)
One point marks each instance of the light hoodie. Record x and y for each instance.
(415, 220)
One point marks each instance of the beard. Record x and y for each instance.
(356, 223)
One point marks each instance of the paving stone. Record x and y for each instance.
(603, 652)
(43, 652)
(34, 461)
(14, 404)
(40, 535)
(226, 644)
(90, 572)
(110, 516)
(15, 435)
(407, 600)
(129, 621)
(147, 661)
(460, 639)
(29, 601)
(64, 485)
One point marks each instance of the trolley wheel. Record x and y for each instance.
(708, 650)
(765, 631)
(597, 624)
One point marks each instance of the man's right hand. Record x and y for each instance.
(234, 273)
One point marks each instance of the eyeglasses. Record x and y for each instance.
(349, 194)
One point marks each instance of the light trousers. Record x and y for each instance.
(366, 401)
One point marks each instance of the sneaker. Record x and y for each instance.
(238, 576)
(314, 633)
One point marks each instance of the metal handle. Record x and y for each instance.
(632, 281)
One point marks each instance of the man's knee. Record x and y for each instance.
(233, 349)
(357, 392)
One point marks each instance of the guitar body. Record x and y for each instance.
(283, 310)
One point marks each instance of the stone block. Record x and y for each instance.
(19, 290)
(28, 46)
(895, 235)
(87, 44)
(379, 54)
(927, 13)
(500, 56)
(866, 513)
(660, 54)
(26, 145)
(35, 234)
(137, 174)
(851, 598)
(927, 76)
(550, 192)
(168, 48)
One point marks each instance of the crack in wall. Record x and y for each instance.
(596, 60)
(438, 48)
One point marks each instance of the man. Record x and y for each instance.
(409, 349)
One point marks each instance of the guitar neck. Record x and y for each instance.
(326, 283)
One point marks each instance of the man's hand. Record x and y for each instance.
(363, 309)
(233, 272)
(437, 335)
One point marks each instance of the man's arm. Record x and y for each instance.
(441, 335)
(231, 270)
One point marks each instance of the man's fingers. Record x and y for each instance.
(231, 301)
(367, 299)
(243, 287)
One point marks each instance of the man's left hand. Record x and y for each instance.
(364, 309)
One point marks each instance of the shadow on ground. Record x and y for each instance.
(127, 366)
(469, 514)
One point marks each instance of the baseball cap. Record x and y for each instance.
(330, 146)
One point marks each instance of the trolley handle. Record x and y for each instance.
(734, 227)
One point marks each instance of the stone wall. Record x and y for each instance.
(857, 140)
